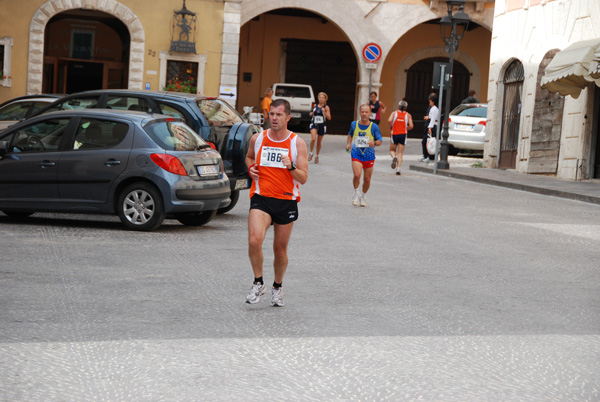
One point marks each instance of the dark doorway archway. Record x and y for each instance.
(511, 115)
(419, 80)
(85, 49)
(317, 63)
(293, 45)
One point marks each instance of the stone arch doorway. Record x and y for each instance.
(544, 147)
(37, 39)
(298, 46)
(419, 79)
(85, 50)
(470, 75)
(514, 76)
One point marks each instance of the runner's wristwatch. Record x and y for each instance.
(293, 166)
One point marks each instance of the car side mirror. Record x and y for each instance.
(3, 148)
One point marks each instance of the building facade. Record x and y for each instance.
(238, 48)
(532, 129)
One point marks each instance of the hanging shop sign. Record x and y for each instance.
(183, 31)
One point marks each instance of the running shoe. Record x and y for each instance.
(317, 159)
(277, 297)
(394, 162)
(363, 201)
(356, 198)
(310, 155)
(398, 171)
(256, 291)
(423, 159)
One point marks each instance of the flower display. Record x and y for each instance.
(177, 85)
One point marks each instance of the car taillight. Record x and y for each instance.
(213, 146)
(449, 119)
(313, 105)
(169, 163)
(482, 122)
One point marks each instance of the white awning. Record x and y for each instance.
(573, 68)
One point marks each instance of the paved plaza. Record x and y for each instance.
(439, 290)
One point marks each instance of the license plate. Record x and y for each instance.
(207, 170)
(295, 115)
(464, 127)
(242, 184)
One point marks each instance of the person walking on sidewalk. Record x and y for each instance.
(377, 108)
(363, 137)
(434, 115)
(400, 122)
(319, 116)
(278, 164)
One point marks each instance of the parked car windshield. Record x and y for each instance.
(14, 111)
(174, 136)
(218, 112)
(470, 111)
(292, 92)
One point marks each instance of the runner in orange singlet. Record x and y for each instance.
(278, 164)
(400, 122)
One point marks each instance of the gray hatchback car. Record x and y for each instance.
(141, 167)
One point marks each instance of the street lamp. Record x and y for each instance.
(453, 28)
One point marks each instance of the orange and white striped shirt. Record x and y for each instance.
(274, 179)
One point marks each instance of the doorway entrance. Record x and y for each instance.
(511, 115)
(305, 64)
(419, 80)
(85, 50)
(595, 152)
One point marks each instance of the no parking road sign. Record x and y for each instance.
(371, 53)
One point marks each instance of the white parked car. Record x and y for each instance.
(23, 107)
(466, 128)
(302, 102)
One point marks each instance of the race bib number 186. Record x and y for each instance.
(271, 157)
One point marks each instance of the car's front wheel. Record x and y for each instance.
(235, 196)
(196, 218)
(140, 207)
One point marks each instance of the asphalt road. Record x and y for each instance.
(438, 290)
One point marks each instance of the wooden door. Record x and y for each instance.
(596, 137)
(511, 115)
(328, 67)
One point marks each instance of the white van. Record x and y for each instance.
(302, 102)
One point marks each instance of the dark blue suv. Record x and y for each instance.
(212, 118)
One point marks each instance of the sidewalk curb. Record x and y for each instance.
(508, 184)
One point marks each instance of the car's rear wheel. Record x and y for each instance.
(196, 218)
(452, 150)
(18, 214)
(140, 207)
(235, 196)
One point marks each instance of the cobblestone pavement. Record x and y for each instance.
(438, 290)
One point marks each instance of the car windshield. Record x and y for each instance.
(174, 136)
(15, 111)
(218, 112)
(470, 111)
(292, 92)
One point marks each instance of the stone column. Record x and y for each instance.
(363, 84)
(231, 44)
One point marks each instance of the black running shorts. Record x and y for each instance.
(399, 139)
(282, 212)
